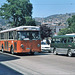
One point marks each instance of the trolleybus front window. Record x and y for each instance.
(28, 35)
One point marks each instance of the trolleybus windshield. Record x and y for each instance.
(28, 35)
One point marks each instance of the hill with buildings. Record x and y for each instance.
(58, 19)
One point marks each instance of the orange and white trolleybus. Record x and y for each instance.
(23, 39)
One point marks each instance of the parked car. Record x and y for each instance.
(45, 47)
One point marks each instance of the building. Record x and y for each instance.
(55, 29)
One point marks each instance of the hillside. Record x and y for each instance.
(59, 19)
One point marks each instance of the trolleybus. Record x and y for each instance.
(64, 44)
(21, 39)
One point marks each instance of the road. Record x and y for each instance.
(38, 64)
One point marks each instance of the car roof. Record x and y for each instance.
(61, 36)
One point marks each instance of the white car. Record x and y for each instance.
(45, 46)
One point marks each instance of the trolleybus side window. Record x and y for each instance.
(2, 35)
(19, 35)
(11, 35)
(14, 35)
(6, 35)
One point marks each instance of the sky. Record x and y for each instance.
(44, 8)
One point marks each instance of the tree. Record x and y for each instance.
(64, 31)
(16, 11)
(70, 28)
(71, 20)
(30, 21)
(45, 31)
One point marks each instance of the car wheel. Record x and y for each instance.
(49, 51)
(55, 52)
(69, 53)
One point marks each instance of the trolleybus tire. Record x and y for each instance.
(32, 53)
(2, 48)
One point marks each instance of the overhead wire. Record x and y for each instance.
(56, 4)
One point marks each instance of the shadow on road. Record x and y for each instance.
(5, 57)
(4, 70)
(35, 54)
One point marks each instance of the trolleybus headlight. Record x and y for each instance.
(38, 45)
(22, 45)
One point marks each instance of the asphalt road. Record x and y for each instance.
(38, 64)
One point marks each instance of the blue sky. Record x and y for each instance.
(44, 8)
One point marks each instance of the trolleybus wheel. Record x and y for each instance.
(2, 50)
(69, 53)
(32, 53)
(12, 50)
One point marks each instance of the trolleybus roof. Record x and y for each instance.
(33, 28)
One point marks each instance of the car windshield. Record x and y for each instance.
(28, 35)
(43, 43)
